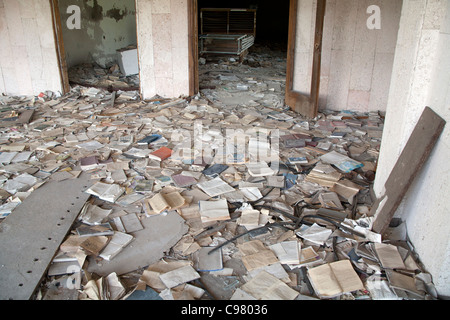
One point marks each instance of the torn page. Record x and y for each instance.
(265, 286)
(179, 276)
(342, 162)
(214, 210)
(315, 233)
(215, 187)
(388, 256)
(107, 192)
(288, 252)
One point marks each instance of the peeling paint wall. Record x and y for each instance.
(356, 61)
(28, 59)
(106, 26)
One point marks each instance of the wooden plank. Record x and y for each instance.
(409, 164)
(306, 105)
(59, 43)
(194, 85)
(317, 59)
(293, 7)
(31, 235)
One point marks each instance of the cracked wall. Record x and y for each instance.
(106, 26)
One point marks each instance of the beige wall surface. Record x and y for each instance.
(163, 48)
(29, 62)
(421, 77)
(356, 61)
(28, 59)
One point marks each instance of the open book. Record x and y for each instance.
(162, 202)
(333, 279)
(105, 191)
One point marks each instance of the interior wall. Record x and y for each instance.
(420, 78)
(28, 59)
(162, 29)
(106, 26)
(356, 61)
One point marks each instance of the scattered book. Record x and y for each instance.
(93, 215)
(136, 153)
(163, 181)
(294, 143)
(169, 201)
(215, 170)
(215, 187)
(128, 223)
(214, 210)
(103, 229)
(107, 192)
(144, 186)
(205, 260)
(333, 279)
(183, 180)
(118, 241)
(298, 160)
(161, 154)
(7, 157)
(89, 163)
(149, 139)
(338, 135)
(259, 169)
(94, 245)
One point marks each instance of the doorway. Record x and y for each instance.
(306, 105)
(97, 43)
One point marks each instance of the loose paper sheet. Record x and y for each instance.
(215, 187)
(332, 279)
(265, 286)
(214, 210)
(389, 256)
(178, 276)
(256, 255)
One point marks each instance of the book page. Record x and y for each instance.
(265, 286)
(389, 256)
(214, 210)
(175, 200)
(215, 187)
(347, 276)
(324, 281)
(158, 203)
(260, 259)
(98, 189)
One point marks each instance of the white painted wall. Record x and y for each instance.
(163, 48)
(421, 77)
(356, 61)
(28, 60)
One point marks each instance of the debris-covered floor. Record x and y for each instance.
(225, 195)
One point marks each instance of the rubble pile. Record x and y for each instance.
(111, 78)
(271, 205)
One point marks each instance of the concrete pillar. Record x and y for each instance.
(162, 31)
(28, 59)
(420, 78)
